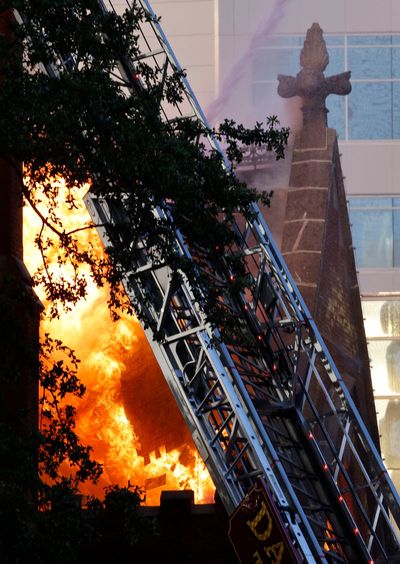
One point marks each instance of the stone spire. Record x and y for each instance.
(313, 88)
(316, 239)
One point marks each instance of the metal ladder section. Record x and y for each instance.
(273, 404)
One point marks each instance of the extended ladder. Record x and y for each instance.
(276, 407)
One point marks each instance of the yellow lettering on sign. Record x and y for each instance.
(262, 536)
(275, 552)
(256, 555)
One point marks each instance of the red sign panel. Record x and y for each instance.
(258, 533)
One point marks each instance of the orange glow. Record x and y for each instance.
(128, 414)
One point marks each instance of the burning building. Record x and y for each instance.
(128, 430)
(128, 414)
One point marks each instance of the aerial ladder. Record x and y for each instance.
(276, 412)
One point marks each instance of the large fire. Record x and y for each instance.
(128, 414)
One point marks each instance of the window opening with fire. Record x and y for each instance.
(138, 436)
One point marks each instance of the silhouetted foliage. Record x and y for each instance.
(82, 126)
(78, 124)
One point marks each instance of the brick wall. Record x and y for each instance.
(317, 247)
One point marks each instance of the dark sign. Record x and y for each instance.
(258, 533)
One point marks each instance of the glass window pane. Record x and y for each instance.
(372, 238)
(395, 62)
(389, 428)
(385, 366)
(336, 61)
(336, 115)
(370, 39)
(392, 357)
(370, 62)
(333, 39)
(370, 111)
(396, 110)
(374, 203)
(268, 63)
(396, 238)
(381, 318)
(281, 41)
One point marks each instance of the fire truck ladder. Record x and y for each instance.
(273, 406)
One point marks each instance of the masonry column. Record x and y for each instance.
(19, 307)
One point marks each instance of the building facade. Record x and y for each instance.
(233, 51)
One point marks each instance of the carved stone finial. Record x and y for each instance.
(313, 87)
(314, 54)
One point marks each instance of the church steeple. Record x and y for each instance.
(316, 242)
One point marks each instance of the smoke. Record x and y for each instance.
(230, 83)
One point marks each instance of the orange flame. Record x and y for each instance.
(124, 385)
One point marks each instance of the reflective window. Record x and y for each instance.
(372, 110)
(375, 231)
(268, 63)
(336, 114)
(382, 318)
(395, 62)
(385, 366)
(389, 427)
(382, 328)
(370, 39)
(396, 110)
(373, 202)
(281, 41)
(336, 60)
(370, 62)
(334, 40)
